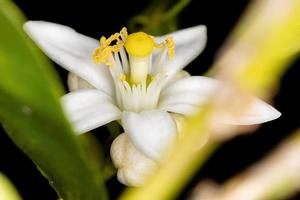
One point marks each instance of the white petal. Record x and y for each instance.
(187, 94)
(257, 112)
(89, 109)
(71, 50)
(189, 43)
(152, 132)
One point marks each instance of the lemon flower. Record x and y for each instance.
(138, 80)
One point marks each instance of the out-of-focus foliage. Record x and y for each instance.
(254, 59)
(275, 177)
(160, 17)
(7, 190)
(32, 116)
(260, 48)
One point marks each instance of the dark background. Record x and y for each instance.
(96, 18)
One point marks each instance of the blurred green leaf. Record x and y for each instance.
(260, 49)
(7, 190)
(160, 17)
(31, 114)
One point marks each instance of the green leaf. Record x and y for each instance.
(33, 118)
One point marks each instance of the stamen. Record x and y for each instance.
(170, 44)
(137, 44)
(124, 32)
(103, 41)
(124, 60)
(114, 37)
(171, 47)
(103, 54)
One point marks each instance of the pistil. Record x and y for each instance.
(139, 47)
(139, 68)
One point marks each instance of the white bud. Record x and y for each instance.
(133, 167)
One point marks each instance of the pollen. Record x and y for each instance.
(139, 44)
(171, 47)
(104, 53)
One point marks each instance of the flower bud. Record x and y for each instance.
(133, 167)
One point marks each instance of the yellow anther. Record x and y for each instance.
(114, 37)
(171, 47)
(102, 55)
(124, 32)
(170, 44)
(139, 44)
(103, 41)
(105, 51)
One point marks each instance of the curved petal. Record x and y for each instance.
(151, 131)
(185, 95)
(257, 112)
(189, 43)
(71, 50)
(89, 109)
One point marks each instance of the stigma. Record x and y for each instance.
(134, 51)
(139, 44)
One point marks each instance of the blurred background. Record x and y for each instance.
(97, 18)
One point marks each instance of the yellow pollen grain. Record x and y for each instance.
(104, 53)
(124, 32)
(139, 44)
(171, 47)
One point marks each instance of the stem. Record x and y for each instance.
(176, 9)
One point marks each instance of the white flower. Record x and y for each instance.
(138, 81)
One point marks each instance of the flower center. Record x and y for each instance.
(139, 46)
(138, 77)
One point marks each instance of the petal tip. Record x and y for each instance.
(274, 114)
(268, 112)
(202, 28)
(29, 25)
